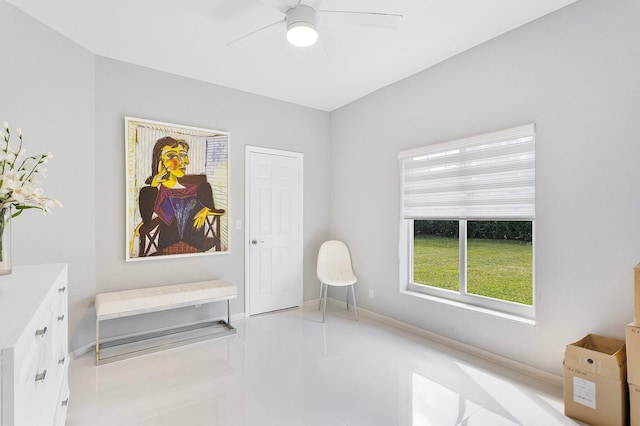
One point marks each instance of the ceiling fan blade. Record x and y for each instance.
(227, 9)
(315, 4)
(281, 5)
(242, 41)
(369, 19)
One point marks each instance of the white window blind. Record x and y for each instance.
(480, 177)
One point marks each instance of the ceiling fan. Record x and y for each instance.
(301, 19)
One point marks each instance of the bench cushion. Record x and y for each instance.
(157, 298)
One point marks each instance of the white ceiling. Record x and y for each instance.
(190, 37)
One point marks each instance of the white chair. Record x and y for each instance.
(334, 269)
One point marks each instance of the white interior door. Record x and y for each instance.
(274, 229)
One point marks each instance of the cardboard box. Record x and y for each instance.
(634, 404)
(595, 381)
(636, 294)
(633, 354)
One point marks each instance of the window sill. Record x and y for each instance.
(510, 317)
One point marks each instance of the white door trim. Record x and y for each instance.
(247, 220)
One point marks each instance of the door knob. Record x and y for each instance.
(254, 242)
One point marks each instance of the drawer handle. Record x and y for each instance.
(62, 289)
(41, 332)
(61, 318)
(40, 376)
(65, 403)
(61, 360)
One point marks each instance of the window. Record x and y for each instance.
(468, 211)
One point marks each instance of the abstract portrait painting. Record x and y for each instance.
(177, 190)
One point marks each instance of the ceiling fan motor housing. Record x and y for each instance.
(301, 25)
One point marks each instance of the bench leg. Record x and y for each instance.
(229, 311)
(97, 340)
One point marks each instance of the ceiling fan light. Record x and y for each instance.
(302, 34)
(301, 26)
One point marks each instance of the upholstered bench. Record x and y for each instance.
(126, 303)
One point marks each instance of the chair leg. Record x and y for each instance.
(320, 298)
(324, 309)
(355, 308)
(347, 298)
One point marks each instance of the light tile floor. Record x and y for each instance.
(287, 368)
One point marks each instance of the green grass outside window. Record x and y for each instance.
(500, 269)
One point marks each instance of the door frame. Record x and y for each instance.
(249, 149)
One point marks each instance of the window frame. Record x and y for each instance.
(462, 296)
(428, 171)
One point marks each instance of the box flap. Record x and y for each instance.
(599, 355)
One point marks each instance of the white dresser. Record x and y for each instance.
(33, 343)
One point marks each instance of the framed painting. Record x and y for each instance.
(177, 180)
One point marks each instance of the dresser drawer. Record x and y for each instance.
(32, 343)
(35, 366)
(63, 402)
(41, 371)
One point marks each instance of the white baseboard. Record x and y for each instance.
(463, 347)
(528, 370)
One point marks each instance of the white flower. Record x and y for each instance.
(19, 197)
(11, 175)
(18, 176)
(41, 170)
(13, 185)
(26, 188)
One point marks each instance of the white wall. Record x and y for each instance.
(576, 74)
(128, 90)
(47, 89)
